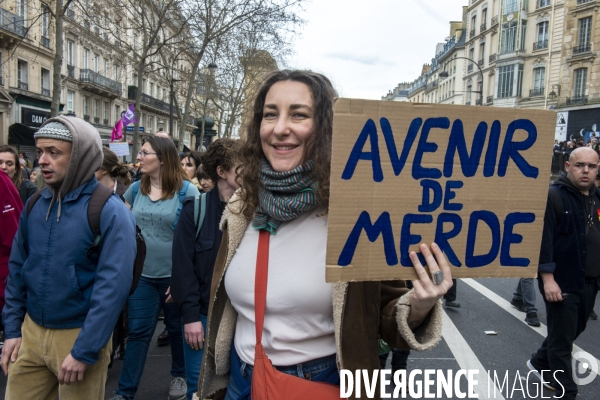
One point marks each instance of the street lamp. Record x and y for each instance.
(444, 74)
(171, 105)
(553, 94)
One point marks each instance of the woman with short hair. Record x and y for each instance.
(11, 165)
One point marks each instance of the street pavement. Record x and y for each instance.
(485, 306)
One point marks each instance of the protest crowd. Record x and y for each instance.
(95, 251)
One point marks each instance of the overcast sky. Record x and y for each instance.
(367, 47)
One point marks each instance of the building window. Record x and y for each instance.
(116, 72)
(523, 36)
(104, 67)
(544, 3)
(106, 111)
(143, 85)
(151, 124)
(510, 7)
(96, 107)
(151, 89)
(70, 101)
(542, 35)
(86, 58)
(585, 32)
(508, 42)
(519, 79)
(96, 61)
(539, 75)
(506, 76)
(484, 16)
(45, 82)
(70, 52)
(86, 106)
(22, 9)
(580, 81)
(481, 53)
(117, 112)
(44, 25)
(23, 74)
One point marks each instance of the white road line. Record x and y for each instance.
(505, 304)
(466, 358)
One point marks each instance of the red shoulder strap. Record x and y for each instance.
(260, 282)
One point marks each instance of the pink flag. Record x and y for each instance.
(127, 118)
(117, 132)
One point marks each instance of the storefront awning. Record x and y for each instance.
(19, 134)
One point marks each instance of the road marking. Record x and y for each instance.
(465, 357)
(505, 304)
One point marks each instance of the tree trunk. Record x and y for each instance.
(58, 57)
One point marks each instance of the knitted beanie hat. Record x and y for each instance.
(54, 130)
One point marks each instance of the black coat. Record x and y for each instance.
(194, 258)
(564, 239)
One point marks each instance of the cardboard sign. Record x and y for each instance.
(120, 149)
(472, 179)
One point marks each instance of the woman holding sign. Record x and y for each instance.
(270, 271)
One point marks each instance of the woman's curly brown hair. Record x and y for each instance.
(318, 145)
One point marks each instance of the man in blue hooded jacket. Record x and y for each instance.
(61, 302)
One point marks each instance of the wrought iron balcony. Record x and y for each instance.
(149, 100)
(577, 100)
(89, 76)
(536, 92)
(45, 42)
(495, 20)
(540, 44)
(489, 100)
(105, 122)
(86, 118)
(472, 33)
(479, 101)
(12, 22)
(582, 48)
(470, 68)
(483, 27)
(23, 85)
(493, 58)
(71, 71)
(96, 120)
(480, 62)
(45, 92)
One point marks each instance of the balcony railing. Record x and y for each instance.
(582, 48)
(86, 118)
(480, 62)
(96, 120)
(470, 68)
(492, 58)
(495, 20)
(87, 75)
(540, 44)
(45, 42)
(543, 3)
(577, 100)
(583, 1)
(479, 101)
(71, 71)
(45, 92)
(150, 101)
(489, 99)
(472, 33)
(105, 122)
(468, 103)
(12, 22)
(483, 27)
(536, 92)
(23, 85)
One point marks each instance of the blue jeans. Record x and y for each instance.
(526, 292)
(144, 309)
(240, 374)
(193, 362)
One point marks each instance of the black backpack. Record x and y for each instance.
(99, 197)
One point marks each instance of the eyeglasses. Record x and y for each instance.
(143, 154)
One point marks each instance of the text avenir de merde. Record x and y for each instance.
(434, 196)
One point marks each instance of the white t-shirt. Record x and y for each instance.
(298, 323)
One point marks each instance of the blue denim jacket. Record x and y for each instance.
(52, 279)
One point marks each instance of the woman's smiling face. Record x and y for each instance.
(287, 123)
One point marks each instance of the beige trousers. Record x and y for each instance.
(34, 375)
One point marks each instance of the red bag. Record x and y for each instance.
(268, 382)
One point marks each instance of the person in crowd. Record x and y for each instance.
(524, 300)
(23, 156)
(156, 204)
(194, 255)
(284, 197)
(57, 340)
(190, 162)
(205, 180)
(9, 163)
(568, 271)
(113, 173)
(11, 206)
